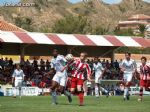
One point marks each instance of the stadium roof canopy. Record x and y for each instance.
(72, 39)
(33, 43)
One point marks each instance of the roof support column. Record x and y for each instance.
(22, 51)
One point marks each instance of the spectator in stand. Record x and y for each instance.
(47, 65)
(112, 64)
(107, 64)
(10, 62)
(33, 84)
(42, 65)
(104, 63)
(34, 74)
(27, 63)
(22, 62)
(117, 90)
(35, 63)
(42, 84)
(29, 82)
(116, 65)
(6, 62)
(2, 63)
(120, 62)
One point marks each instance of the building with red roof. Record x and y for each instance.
(134, 21)
(6, 26)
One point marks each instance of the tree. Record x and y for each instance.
(142, 28)
(24, 22)
(72, 24)
(100, 30)
(123, 32)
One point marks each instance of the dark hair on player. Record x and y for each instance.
(55, 50)
(143, 58)
(96, 57)
(128, 53)
(17, 64)
(85, 53)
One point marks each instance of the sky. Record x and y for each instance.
(107, 1)
(2, 2)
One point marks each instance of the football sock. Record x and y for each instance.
(54, 97)
(15, 91)
(20, 91)
(67, 93)
(141, 92)
(96, 91)
(125, 92)
(81, 95)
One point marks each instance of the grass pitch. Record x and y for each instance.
(92, 104)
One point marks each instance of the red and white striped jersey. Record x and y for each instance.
(144, 72)
(79, 69)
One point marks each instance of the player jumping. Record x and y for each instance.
(144, 77)
(128, 67)
(60, 77)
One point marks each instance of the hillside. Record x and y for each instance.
(45, 13)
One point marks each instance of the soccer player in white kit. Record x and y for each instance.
(128, 67)
(17, 79)
(60, 78)
(99, 71)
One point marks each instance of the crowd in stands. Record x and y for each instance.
(36, 72)
(112, 71)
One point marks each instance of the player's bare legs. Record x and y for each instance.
(85, 88)
(97, 90)
(128, 67)
(141, 94)
(53, 91)
(126, 90)
(80, 94)
(144, 77)
(62, 89)
(77, 84)
(17, 79)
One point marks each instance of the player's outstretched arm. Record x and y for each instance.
(64, 68)
(89, 73)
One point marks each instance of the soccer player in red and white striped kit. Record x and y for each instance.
(80, 70)
(144, 77)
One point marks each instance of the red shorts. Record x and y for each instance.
(75, 82)
(145, 83)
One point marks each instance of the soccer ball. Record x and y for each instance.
(69, 57)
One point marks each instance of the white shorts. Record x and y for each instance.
(18, 83)
(127, 77)
(60, 78)
(97, 77)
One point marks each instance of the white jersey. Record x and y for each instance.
(58, 63)
(18, 74)
(129, 66)
(98, 68)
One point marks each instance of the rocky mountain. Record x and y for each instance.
(45, 13)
